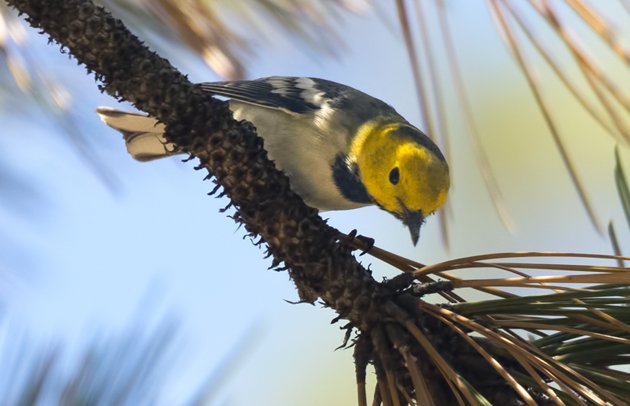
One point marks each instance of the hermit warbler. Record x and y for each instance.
(340, 148)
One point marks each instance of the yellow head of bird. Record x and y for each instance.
(403, 171)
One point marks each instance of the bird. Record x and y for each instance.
(340, 148)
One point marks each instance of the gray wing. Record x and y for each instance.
(299, 95)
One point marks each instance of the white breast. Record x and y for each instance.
(303, 151)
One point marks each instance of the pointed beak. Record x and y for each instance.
(413, 220)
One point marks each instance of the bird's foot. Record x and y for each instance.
(359, 242)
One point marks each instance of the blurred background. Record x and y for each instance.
(120, 283)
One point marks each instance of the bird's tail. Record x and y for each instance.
(143, 135)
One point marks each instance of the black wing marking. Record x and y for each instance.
(294, 94)
(346, 177)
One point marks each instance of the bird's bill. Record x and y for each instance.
(413, 220)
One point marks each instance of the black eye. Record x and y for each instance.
(394, 176)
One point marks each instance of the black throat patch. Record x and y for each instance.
(348, 182)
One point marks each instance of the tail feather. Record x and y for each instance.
(143, 135)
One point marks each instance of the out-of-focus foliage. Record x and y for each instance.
(590, 42)
(129, 369)
(624, 197)
(210, 28)
(622, 186)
